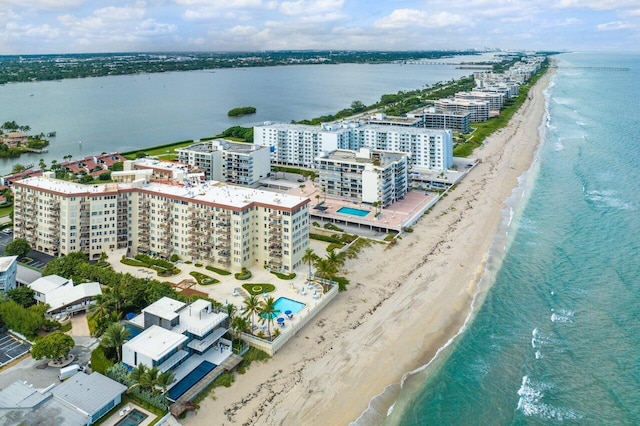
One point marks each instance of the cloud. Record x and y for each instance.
(403, 18)
(600, 4)
(224, 4)
(44, 4)
(309, 7)
(614, 26)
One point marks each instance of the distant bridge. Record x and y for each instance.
(593, 68)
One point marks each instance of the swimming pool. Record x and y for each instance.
(133, 330)
(353, 212)
(187, 382)
(285, 304)
(134, 418)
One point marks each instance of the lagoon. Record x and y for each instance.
(121, 113)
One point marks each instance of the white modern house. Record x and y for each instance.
(172, 332)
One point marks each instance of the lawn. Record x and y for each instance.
(203, 279)
(256, 289)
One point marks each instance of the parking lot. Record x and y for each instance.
(34, 259)
(11, 348)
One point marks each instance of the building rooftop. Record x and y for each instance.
(6, 262)
(20, 395)
(207, 192)
(155, 342)
(365, 156)
(88, 393)
(48, 284)
(69, 294)
(165, 308)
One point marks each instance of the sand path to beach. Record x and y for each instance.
(404, 302)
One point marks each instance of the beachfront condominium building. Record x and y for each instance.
(431, 118)
(211, 222)
(226, 161)
(364, 176)
(495, 100)
(298, 145)
(172, 331)
(8, 272)
(479, 109)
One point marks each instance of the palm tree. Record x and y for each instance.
(42, 164)
(268, 312)
(251, 307)
(149, 379)
(165, 379)
(231, 310)
(337, 260)
(309, 257)
(114, 337)
(326, 270)
(138, 373)
(238, 325)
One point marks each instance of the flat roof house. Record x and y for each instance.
(81, 400)
(173, 331)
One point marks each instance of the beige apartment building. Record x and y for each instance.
(220, 224)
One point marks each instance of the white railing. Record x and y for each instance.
(271, 347)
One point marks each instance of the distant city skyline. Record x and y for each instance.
(83, 26)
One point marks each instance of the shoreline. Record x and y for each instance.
(399, 311)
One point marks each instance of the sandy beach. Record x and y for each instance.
(404, 302)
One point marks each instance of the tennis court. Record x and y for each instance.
(11, 348)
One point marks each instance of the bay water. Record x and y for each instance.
(122, 113)
(557, 339)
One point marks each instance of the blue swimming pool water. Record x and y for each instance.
(285, 304)
(134, 418)
(133, 331)
(191, 379)
(353, 212)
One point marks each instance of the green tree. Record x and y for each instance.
(17, 168)
(237, 326)
(268, 312)
(53, 346)
(23, 296)
(27, 321)
(309, 257)
(357, 106)
(165, 379)
(66, 266)
(114, 337)
(18, 247)
(251, 306)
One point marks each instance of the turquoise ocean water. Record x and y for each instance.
(557, 339)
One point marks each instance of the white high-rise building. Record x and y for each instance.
(299, 145)
(226, 161)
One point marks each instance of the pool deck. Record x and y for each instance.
(115, 417)
(393, 218)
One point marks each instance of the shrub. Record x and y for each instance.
(203, 279)
(333, 246)
(217, 270)
(258, 288)
(174, 258)
(284, 276)
(244, 275)
(99, 360)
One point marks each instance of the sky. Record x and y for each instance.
(91, 26)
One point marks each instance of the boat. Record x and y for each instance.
(51, 134)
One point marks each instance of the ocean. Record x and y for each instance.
(557, 339)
